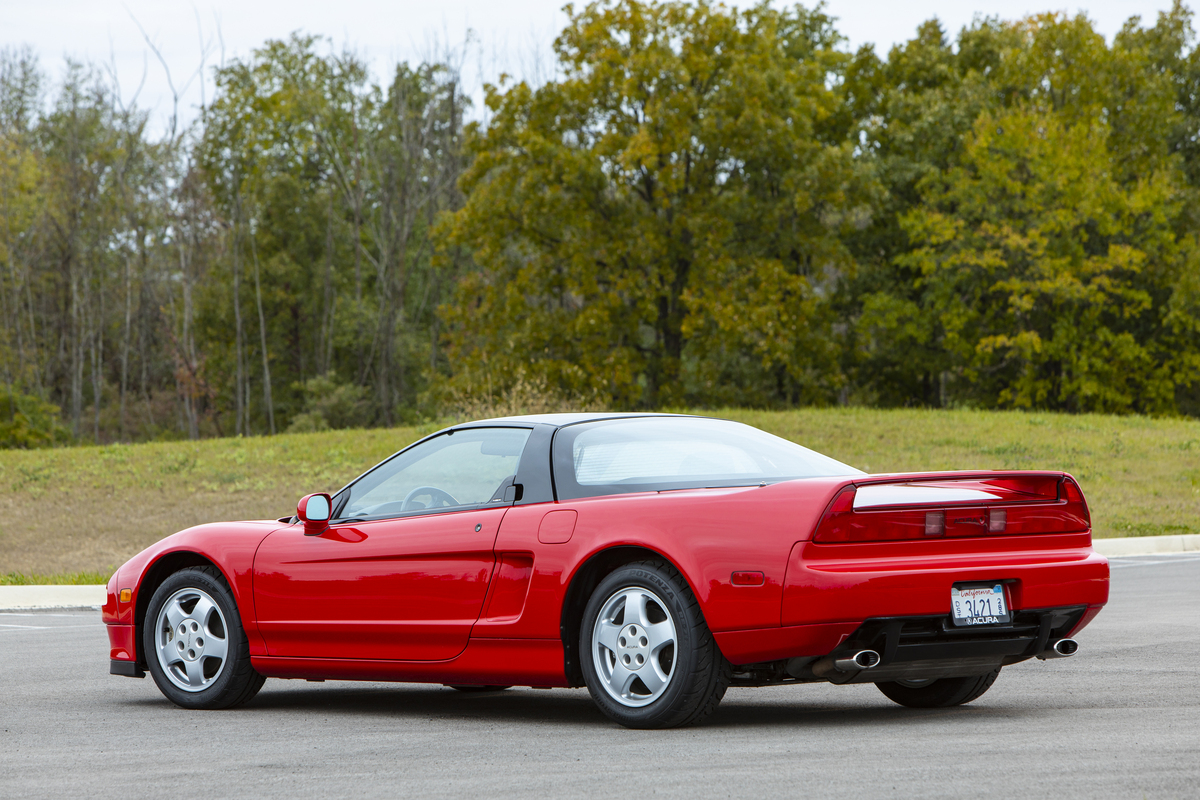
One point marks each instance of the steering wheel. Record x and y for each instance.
(440, 498)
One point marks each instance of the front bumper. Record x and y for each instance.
(130, 669)
(122, 642)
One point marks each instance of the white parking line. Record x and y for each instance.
(14, 628)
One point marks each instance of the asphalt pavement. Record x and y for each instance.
(1121, 719)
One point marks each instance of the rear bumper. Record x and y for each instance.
(932, 647)
(835, 583)
(832, 590)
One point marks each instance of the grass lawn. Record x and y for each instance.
(87, 509)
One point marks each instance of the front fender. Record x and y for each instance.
(228, 546)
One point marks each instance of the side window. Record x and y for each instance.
(463, 469)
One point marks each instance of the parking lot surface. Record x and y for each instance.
(1121, 719)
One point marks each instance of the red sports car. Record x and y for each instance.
(656, 559)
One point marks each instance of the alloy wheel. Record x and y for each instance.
(191, 639)
(633, 646)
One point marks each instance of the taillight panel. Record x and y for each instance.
(1012, 513)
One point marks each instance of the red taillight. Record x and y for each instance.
(842, 523)
(1074, 497)
(1034, 507)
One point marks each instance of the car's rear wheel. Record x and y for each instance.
(194, 642)
(648, 657)
(941, 693)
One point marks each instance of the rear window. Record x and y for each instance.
(656, 453)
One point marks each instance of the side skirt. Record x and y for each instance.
(517, 662)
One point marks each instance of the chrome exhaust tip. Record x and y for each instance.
(1063, 648)
(863, 659)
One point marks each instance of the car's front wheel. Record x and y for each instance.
(941, 693)
(648, 657)
(194, 642)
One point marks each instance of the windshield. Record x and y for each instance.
(646, 454)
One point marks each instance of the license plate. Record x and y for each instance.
(979, 605)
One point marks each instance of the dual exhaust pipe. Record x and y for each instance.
(869, 659)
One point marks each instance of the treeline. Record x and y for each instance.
(706, 207)
(268, 268)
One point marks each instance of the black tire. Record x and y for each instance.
(237, 681)
(478, 688)
(699, 674)
(941, 693)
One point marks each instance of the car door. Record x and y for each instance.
(402, 571)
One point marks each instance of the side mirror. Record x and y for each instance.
(313, 511)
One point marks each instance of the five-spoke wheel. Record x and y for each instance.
(647, 655)
(194, 643)
(633, 644)
(191, 640)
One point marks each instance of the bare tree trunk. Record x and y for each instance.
(33, 342)
(123, 433)
(96, 342)
(325, 340)
(76, 345)
(262, 329)
(329, 338)
(241, 395)
(16, 316)
(186, 351)
(8, 314)
(145, 304)
(358, 306)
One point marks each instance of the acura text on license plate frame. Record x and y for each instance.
(979, 604)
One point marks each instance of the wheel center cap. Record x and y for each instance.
(190, 639)
(633, 647)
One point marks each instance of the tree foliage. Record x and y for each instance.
(660, 224)
(705, 206)
(329, 185)
(720, 206)
(1042, 244)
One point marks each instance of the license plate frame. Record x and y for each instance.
(979, 603)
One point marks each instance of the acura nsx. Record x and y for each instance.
(655, 559)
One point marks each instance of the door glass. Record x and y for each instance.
(465, 469)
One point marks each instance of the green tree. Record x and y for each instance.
(27, 422)
(329, 185)
(1037, 257)
(1038, 270)
(662, 224)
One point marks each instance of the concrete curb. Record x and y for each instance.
(28, 598)
(1148, 545)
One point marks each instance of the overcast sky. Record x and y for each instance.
(510, 35)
